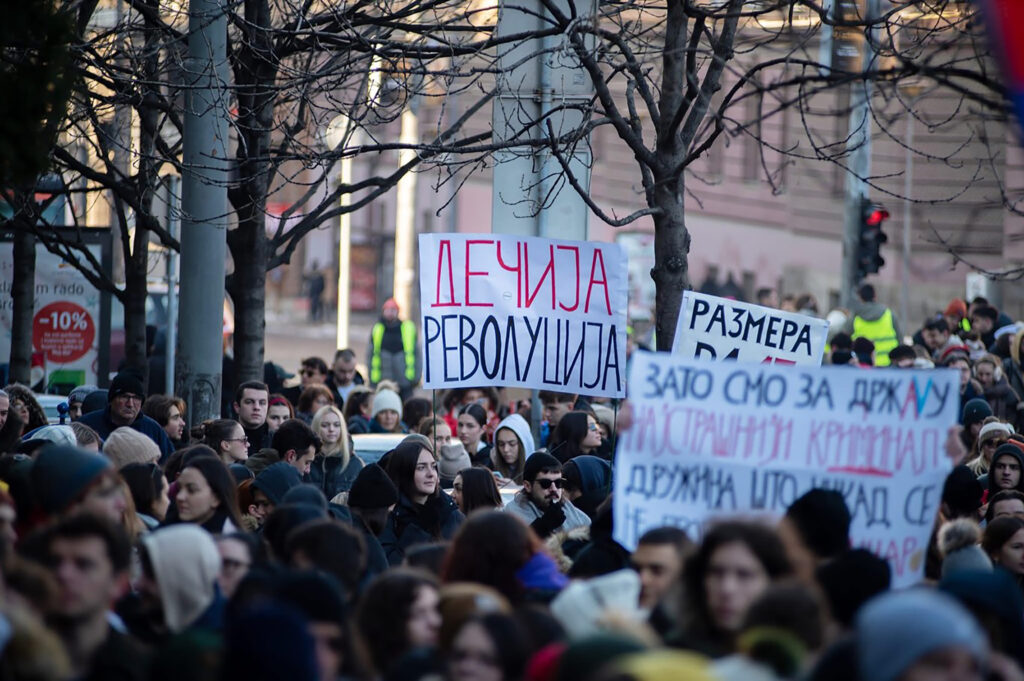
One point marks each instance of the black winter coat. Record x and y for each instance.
(411, 524)
(327, 473)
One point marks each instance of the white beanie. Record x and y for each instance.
(384, 400)
(127, 445)
(61, 435)
(995, 427)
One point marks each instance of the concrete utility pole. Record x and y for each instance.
(204, 212)
(534, 77)
(859, 160)
(405, 216)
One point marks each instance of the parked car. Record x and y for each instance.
(371, 446)
(49, 403)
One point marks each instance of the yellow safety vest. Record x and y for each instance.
(881, 332)
(408, 329)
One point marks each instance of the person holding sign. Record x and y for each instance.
(540, 502)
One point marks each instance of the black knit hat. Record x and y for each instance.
(125, 382)
(823, 520)
(372, 489)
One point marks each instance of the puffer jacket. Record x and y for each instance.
(327, 473)
(409, 524)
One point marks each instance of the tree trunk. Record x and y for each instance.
(248, 293)
(671, 260)
(23, 308)
(256, 69)
(135, 292)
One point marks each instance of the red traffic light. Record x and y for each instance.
(875, 216)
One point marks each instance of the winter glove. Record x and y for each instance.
(552, 519)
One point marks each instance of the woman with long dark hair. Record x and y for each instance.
(398, 615)
(206, 497)
(1003, 541)
(148, 487)
(500, 551)
(492, 646)
(577, 433)
(734, 565)
(475, 488)
(424, 513)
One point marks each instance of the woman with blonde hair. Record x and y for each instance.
(334, 467)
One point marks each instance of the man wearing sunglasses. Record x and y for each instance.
(540, 502)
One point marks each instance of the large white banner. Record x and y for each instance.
(710, 327)
(523, 311)
(715, 439)
(65, 324)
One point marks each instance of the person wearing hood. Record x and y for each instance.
(334, 467)
(513, 443)
(270, 487)
(588, 482)
(424, 513)
(75, 399)
(178, 587)
(124, 408)
(1005, 472)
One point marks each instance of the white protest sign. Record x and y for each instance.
(523, 311)
(711, 439)
(718, 328)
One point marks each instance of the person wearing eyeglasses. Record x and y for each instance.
(228, 439)
(540, 503)
(124, 408)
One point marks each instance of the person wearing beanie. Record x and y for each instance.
(386, 413)
(371, 498)
(995, 599)
(956, 314)
(270, 487)
(124, 408)
(991, 435)
(815, 528)
(63, 478)
(959, 543)
(1005, 472)
(974, 412)
(900, 633)
(178, 588)
(540, 503)
(392, 353)
(76, 398)
(452, 459)
(127, 445)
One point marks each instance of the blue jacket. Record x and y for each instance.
(100, 421)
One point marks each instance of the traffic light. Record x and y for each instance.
(869, 249)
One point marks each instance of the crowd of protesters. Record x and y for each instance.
(262, 547)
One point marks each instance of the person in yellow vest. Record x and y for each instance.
(392, 354)
(876, 322)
